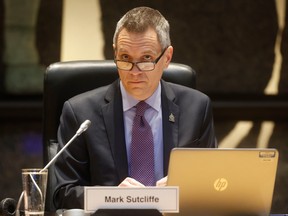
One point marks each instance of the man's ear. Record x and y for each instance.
(168, 56)
(114, 48)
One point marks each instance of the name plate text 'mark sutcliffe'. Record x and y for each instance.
(164, 199)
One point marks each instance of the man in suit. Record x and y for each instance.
(176, 116)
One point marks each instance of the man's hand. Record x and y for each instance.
(130, 182)
(162, 182)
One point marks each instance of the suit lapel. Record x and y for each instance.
(170, 118)
(113, 118)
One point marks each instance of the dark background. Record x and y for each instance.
(230, 44)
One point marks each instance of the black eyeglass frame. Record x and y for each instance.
(136, 63)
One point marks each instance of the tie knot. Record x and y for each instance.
(141, 107)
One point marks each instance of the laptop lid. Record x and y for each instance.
(223, 181)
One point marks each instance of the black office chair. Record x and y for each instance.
(63, 80)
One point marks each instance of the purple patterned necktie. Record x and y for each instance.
(142, 148)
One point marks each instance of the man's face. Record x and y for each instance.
(141, 47)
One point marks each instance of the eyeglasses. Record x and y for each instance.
(142, 66)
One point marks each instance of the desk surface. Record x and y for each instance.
(123, 212)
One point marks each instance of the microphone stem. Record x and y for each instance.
(19, 203)
(55, 157)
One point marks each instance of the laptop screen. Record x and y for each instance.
(223, 181)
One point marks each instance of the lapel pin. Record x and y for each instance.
(171, 118)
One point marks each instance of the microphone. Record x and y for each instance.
(83, 127)
(7, 207)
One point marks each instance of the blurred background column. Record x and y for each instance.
(23, 72)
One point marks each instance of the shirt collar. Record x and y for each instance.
(129, 101)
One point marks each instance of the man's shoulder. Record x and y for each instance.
(96, 95)
(184, 91)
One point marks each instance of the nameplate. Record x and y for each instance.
(164, 199)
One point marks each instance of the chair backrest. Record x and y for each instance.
(64, 80)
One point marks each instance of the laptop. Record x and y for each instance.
(224, 182)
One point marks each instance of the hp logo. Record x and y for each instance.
(220, 184)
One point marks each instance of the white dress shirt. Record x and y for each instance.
(153, 117)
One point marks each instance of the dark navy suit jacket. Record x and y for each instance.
(98, 156)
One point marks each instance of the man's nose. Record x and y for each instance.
(135, 69)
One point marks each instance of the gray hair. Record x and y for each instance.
(139, 19)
